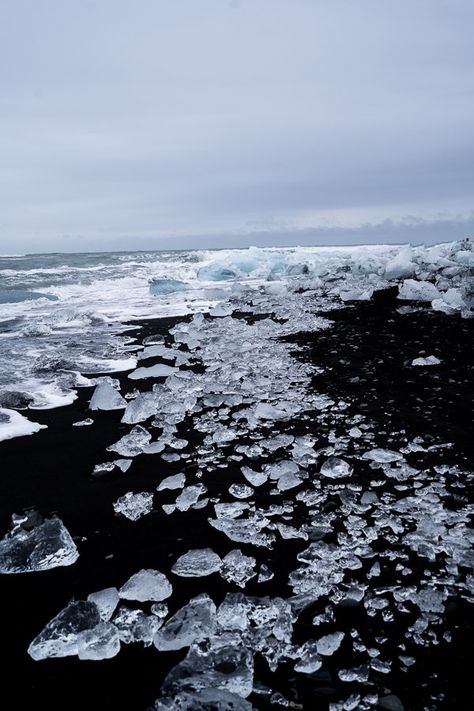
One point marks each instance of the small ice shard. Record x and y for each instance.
(48, 545)
(330, 643)
(101, 642)
(194, 622)
(134, 506)
(60, 636)
(146, 586)
(238, 568)
(12, 425)
(383, 456)
(197, 563)
(310, 661)
(189, 496)
(133, 443)
(254, 478)
(177, 481)
(413, 290)
(266, 411)
(288, 481)
(429, 360)
(230, 510)
(247, 530)
(106, 601)
(336, 468)
(136, 626)
(264, 574)
(145, 405)
(83, 423)
(240, 491)
(106, 397)
(154, 371)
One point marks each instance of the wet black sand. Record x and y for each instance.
(51, 472)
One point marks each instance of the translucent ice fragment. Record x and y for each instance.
(60, 636)
(106, 397)
(177, 481)
(101, 642)
(197, 563)
(48, 545)
(133, 443)
(194, 622)
(146, 586)
(106, 601)
(238, 568)
(134, 506)
(336, 468)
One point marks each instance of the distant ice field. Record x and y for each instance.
(65, 316)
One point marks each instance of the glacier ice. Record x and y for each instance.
(194, 622)
(48, 545)
(101, 642)
(134, 506)
(153, 371)
(335, 468)
(106, 601)
(60, 637)
(196, 563)
(106, 397)
(146, 586)
(133, 443)
(238, 568)
(176, 481)
(429, 360)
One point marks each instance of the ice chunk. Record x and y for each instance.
(132, 443)
(238, 568)
(154, 371)
(48, 545)
(401, 266)
(221, 310)
(123, 464)
(136, 626)
(134, 506)
(106, 601)
(230, 510)
(204, 700)
(227, 667)
(197, 563)
(141, 408)
(335, 468)
(194, 622)
(383, 456)
(310, 661)
(329, 644)
(413, 290)
(253, 477)
(106, 397)
(247, 530)
(146, 586)
(240, 491)
(12, 424)
(177, 481)
(216, 272)
(429, 360)
(189, 496)
(101, 642)
(60, 636)
(162, 286)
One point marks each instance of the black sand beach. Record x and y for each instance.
(366, 357)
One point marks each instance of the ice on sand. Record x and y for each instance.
(413, 290)
(134, 506)
(335, 468)
(207, 699)
(48, 545)
(136, 626)
(101, 642)
(177, 481)
(60, 637)
(238, 568)
(146, 586)
(12, 425)
(196, 563)
(429, 360)
(329, 644)
(194, 622)
(106, 601)
(133, 443)
(383, 456)
(106, 397)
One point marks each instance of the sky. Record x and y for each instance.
(215, 123)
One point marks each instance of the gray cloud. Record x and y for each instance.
(163, 121)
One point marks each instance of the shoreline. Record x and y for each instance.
(51, 472)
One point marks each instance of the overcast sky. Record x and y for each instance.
(223, 122)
